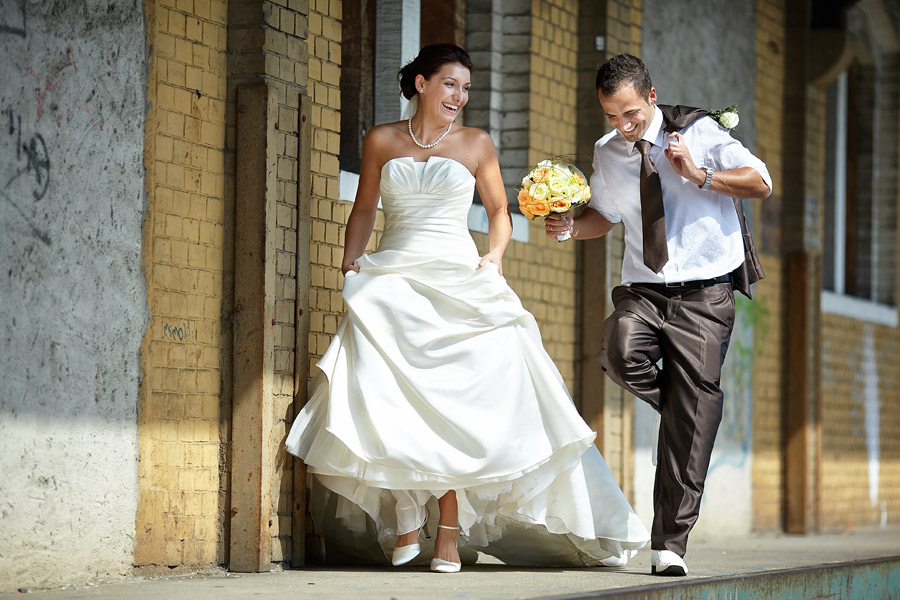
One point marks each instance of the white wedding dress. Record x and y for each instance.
(437, 380)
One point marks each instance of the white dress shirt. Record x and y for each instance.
(702, 227)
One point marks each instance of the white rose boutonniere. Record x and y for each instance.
(726, 117)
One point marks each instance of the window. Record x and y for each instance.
(860, 235)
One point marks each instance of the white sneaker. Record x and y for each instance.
(666, 562)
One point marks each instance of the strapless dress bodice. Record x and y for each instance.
(426, 205)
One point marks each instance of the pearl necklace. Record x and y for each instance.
(426, 146)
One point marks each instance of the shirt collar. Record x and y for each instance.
(653, 133)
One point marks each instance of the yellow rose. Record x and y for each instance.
(539, 191)
(558, 183)
(571, 191)
(539, 208)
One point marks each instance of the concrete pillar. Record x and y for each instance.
(802, 282)
(254, 338)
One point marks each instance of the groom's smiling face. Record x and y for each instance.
(628, 111)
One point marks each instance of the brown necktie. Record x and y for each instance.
(653, 215)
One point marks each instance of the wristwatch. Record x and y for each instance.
(708, 182)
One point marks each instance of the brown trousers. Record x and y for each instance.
(689, 329)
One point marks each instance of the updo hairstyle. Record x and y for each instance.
(429, 61)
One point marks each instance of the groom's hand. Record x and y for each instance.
(682, 163)
(556, 224)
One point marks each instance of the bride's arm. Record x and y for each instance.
(489, 182)
(365, 206)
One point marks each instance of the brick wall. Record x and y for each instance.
(328, 214)
(290, 70)
(178, 508)
(767, 442)
(860, 480)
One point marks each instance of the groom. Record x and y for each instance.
(674, 177)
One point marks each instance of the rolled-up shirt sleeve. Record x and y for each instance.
(601, 200)
(724, 153)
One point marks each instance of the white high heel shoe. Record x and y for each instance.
(404, 554)
(439, 565)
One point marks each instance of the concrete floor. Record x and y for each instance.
(489, 579)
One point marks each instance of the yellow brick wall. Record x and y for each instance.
(768, 463)
(543, 271)
(328, 214)
(850, 377)
(767, 443)
(288, 63)
(178, 508)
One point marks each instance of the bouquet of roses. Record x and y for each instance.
(553, 186)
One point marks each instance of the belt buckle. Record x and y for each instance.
(675, 284)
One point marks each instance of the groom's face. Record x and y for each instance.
(628, 111)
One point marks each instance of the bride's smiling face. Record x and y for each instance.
(446, 92)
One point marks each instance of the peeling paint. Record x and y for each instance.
(868, 372)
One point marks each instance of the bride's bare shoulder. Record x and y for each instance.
(476, 135)
(385, 133)
(382, 142)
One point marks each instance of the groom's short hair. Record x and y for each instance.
(622, 70)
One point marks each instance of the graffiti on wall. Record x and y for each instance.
(177, 332)
(26, 176)
(14, 21)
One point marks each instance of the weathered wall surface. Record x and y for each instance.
(860, 424)
(72, 302)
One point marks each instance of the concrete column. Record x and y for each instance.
(802, 281)
(254, 331)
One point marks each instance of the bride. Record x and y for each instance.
(436, 388)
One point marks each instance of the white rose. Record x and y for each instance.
(539, 191)
(729, 120)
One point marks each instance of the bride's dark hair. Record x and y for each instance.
(429, 61)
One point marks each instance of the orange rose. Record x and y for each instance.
(560, 204)
(540, 174)
(540, 209)
(523, 208)
(523, 197)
